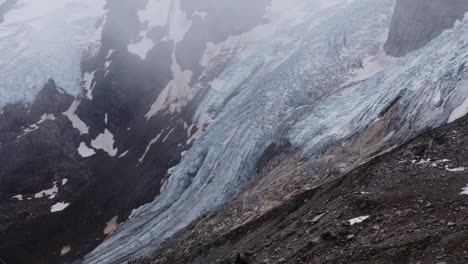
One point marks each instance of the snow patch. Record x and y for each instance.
(358, 220)
(65, 250)
(111, 226)
(51, 193)
(60, 206)
(443, 161)
(459, 169)
(148, 147)
(160, 13)
(176, 94)
(421, 162)
(141, 48)
(74, 119)
(36, 126)
(123, 154)
(105, 141)
(85, 151)
(88, 84)
(465, 190)
(18, 197)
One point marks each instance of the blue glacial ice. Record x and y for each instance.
(302, 83)
(46, 39)
(297, 61)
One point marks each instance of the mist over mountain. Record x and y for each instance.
(167, 131)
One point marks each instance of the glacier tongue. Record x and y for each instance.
(43, 40)
(295, 62)
(296, 81)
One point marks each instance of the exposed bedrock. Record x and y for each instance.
(416, 22)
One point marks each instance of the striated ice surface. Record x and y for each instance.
(303, 54)
(46, 39)
(295, 80)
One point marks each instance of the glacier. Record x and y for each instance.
(304, 54)
(42, 40)
(297, 77)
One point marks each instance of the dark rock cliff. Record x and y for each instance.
(416, 22)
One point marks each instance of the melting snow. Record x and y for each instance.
(105, 141)
(52, 192)
(161, 13)
(123, 154)
(88, 84)
(74, 119)
(465, 190)
(65, 250)
(358, 220)
(148, 147)
(111, 226)
(18, 197)
(60, 206)
(35, 126)
(177, 92)
(421, 162)
(459, 169)
(443, 161)
(85, 151)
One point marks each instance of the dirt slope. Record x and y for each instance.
(413, 198)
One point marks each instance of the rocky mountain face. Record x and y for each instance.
(156, 112)
(416, 22)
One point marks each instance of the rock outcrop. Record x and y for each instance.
(416, 22)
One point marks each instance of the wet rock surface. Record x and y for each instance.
(406, 206)
(416, 22)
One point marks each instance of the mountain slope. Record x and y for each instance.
(406, 206)
(294, 100)
(159, 111)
